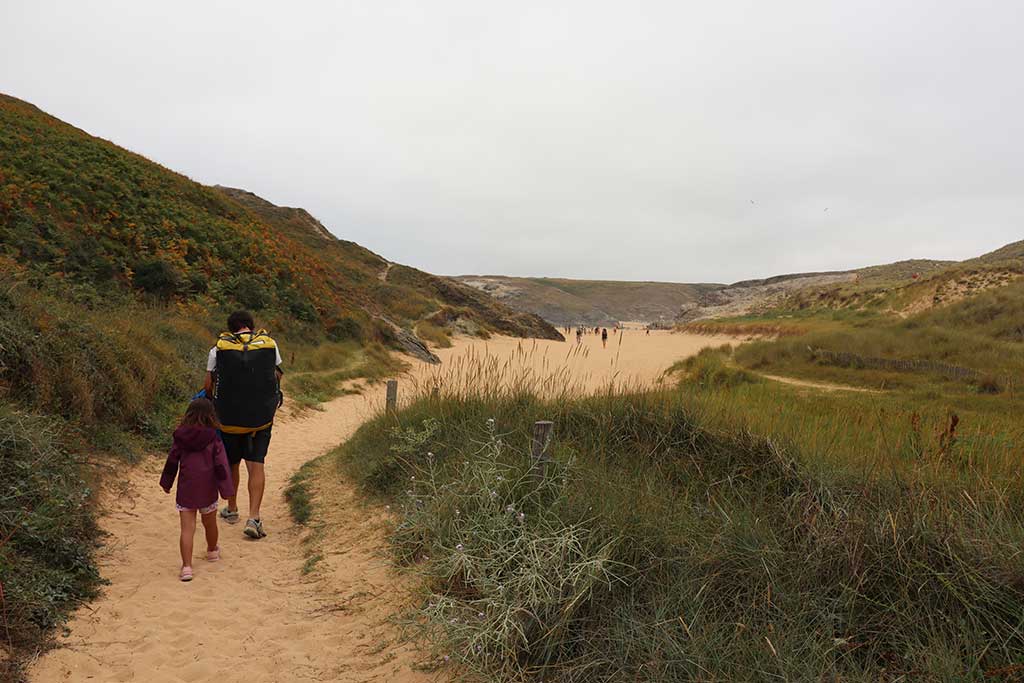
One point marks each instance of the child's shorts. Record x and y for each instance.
(205, 510)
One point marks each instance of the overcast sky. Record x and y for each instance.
(680, 141)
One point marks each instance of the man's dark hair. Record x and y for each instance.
(239, 320)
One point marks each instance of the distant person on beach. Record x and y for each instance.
(243, 374)
(604, 337)
(199, 462)
(579, 336)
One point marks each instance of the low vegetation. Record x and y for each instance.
(327, 371)
(911, 294)
(982, 333)
(46, 530)
(433, 334)
(746, 328)
(299, 493)
(729, 529)
(712, 368)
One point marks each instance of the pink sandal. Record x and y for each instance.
(186, 573)
(213, 555)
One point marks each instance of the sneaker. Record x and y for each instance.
(229, 516)
(254, 529)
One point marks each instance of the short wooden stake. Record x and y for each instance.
(540, 459)
(391, 404)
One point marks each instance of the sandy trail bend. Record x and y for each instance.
(255, 617)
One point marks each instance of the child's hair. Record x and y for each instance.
(201, 413)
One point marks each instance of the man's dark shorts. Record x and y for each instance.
(252, 447)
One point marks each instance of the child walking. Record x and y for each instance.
(201, 465)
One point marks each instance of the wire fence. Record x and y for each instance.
(852, 360)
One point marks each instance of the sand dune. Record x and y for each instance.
(254, 617)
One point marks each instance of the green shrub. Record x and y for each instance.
(117, 367)
(989, 384)
(345, 329)
(250, 291)
(982, 333)
(328, 367)
(711, 369)
(158, 277)
(299, 495)
(297, 305)
(434, 334)
(47, 529)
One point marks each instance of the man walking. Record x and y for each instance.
(243, 374)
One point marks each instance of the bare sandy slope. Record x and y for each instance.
(254, 617)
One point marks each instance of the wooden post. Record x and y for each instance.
(539, 447)
(391, 403)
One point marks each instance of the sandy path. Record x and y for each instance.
(824, 386)
(254, 617)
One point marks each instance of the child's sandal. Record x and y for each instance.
(186, 573)
(213, 555)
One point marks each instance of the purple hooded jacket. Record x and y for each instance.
(198, 453)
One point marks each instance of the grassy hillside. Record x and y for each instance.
(980, 336)
(901, 271)
(1013, 252)
(967, 316)
(910, 295)
(87, 217)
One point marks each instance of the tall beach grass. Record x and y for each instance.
(695, 534)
